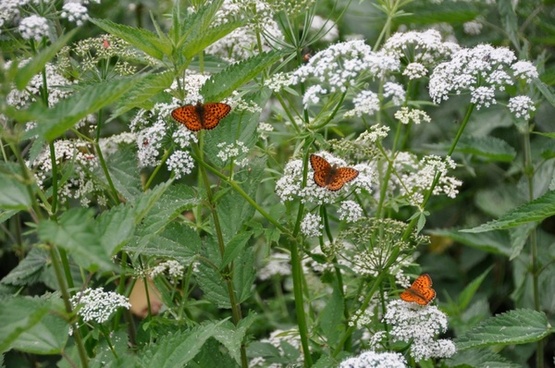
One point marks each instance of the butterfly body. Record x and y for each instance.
(420, 291)
(201, 116)
(330, 176)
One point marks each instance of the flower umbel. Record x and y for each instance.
(98, 305)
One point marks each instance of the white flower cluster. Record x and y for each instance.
(521, 106)
(406, 115)
(413, 178)
(242, 42)
(311, 225)
(350, 211)
(339, 67)
(424, 48)
(180, 163)
(69, 155)
(98, 305)
(289, 186)
(277, 338)
(233, 150)
(365, 103)
(371, 359)
(481, 70)
(395, 91)
(174, 268)
(264, 129)
(419, 326)
(34, 27)
(75, 13)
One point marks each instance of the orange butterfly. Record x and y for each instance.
(420, 291)
(201, 116)
(331, 177)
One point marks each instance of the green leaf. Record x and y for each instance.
(142, 95)
(235, 247)
(142, 39)
(76, 232)
(470, 290)
(36, 64)
(331, 316)
(178, 349)
(509, 20)
(123, 169)
(14, 194)
(221, 85)
(147, 201)
(520, 326)
(231, 337)
(56, 120)
(116, 228)
(491, 148)
(201, 40)
(545, 91)
(29, 270)
(495, 242)
(27, 325)
(537, 210)
(244, 275)
(480, 358)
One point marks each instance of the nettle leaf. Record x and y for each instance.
(480, 358)
(330, 317)
(221, 85)
(231, 337)
(209, 277)
(143, 39)
(76, 232)
(235, 247)
(56, 120)
(201, 40)
(495, 242)
(28, 325)
(537, 210)
(37, 63)
(178, 349)
(124, 172)
(115, 227)
(490, 148)
(244, 274)
(518, 326)
(142, 96)
(148, 200)
(29, 270)
(14, 194)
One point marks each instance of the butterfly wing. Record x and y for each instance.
(213, 112)
(421, 291)
(341, 176)
(188, 116)
(322, 170)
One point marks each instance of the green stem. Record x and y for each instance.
(536, 267)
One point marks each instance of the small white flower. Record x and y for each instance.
(406, 115)
(371, 359)
(415, 71)
(75, 12)
(525, 70)
(33, 27)
(180, 163)
(277, 264)
(473, 28)
(98, 305)
(264, 129)
(350, 211)
(174, 268)
(312, 226)
(483, 96)
(420, 326)
(234, 150)
(395, 91)
(366, 103)
(521, 106)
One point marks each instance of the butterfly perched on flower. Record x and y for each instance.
(330, 176)
(420, 291)
(201, 116)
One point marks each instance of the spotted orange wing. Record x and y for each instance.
(420, 291)
(213, 112)
(322, 170)
(188, 115)
(328, 176)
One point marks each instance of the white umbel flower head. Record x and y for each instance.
(98, 305)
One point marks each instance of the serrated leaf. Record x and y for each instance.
(201, 40)
(244, 275)
(56, 120)
(142, 39)
(518, 326)
(27, 325)
(37, 63)
(492, 148)
(331, 316)
(141, 96)
(115, 228)
(178, 349)
(76, 232)
(235, 246)
(231, 337)
(496, 242)
(537, 210)
(29, 269)
(221, 85)
(14, 194)
(480, 358)
(124, 171)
